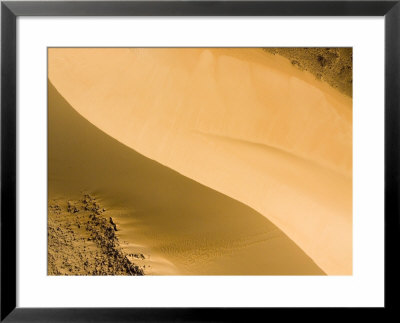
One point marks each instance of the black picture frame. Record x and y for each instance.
(10, 11)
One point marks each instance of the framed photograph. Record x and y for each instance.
(198, 160)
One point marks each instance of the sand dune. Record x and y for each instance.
(181, 226)
(241, 121)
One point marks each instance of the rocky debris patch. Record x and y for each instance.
(113, 224)
(82, 241)
(137, 255)
(332, 65)
(72, 208)
(55, 209)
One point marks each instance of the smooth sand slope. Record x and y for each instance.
(241, 121)
(181, 226)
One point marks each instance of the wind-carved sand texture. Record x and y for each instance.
(216, 161)
(180, 225)
(82, 240)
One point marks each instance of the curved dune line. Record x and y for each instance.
(157, 101)
(183, 227)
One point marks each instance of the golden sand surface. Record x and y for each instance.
(179, 225)
(242, 122)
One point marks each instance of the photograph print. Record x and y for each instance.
(200, 161)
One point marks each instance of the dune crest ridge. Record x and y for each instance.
(179, 225)
(163, 103)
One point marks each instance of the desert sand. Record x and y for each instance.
(82, 240)
(331, 65)
(212, 161)
(181, 226)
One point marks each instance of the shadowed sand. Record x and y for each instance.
(82, 240)
(243, 122)
(180, 225)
